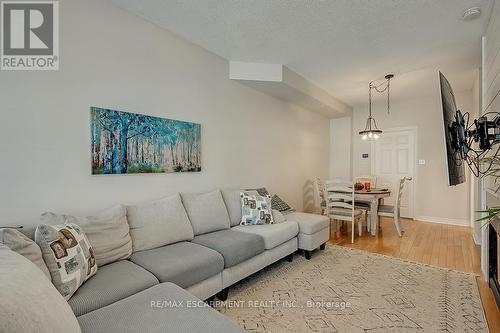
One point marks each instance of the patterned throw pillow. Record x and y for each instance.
(68, 255)
(281, 206)
(261, 190)
(255, 209)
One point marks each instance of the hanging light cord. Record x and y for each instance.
(371, 130)
(377, 88)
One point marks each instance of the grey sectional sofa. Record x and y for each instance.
(203, 253)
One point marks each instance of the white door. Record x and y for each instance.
(394, 158)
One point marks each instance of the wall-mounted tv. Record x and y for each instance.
(455, 163)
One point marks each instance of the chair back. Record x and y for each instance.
(319, 195)
(401, 187)
(364, 179)
(340, 194)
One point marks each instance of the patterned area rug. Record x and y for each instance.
(345, 290)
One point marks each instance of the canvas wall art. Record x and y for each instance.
(124, 142)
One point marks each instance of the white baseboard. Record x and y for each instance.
(443, 220)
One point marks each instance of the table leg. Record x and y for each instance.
(374, 217)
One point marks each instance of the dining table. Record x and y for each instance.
(373, 196)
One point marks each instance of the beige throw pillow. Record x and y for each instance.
(158, 223)
(108, 232)
(20, 243)
(68, 254)
(207, 211)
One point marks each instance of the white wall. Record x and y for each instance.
(475, 197)
(111, 58)
(434, 200)
(490, 86)
(340, 148)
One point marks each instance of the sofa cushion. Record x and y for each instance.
(29, 302)
(232, 200)
(68, 254)
(159, 223)
(273, 234)
(207, 211)
(309, 223)
(255, 209)
(234, 246)
(108, 232)
(184, 263)
(26, 247)
(162, 308)
(112, 283)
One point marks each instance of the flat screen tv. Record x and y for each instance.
(455, 163)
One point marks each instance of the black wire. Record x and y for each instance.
(474, 161)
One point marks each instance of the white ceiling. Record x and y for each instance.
(339, 44)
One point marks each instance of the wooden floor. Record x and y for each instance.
(433, 244)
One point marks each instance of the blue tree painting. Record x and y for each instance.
(124, 142)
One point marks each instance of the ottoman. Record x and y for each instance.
(314, 231)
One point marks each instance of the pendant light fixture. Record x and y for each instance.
(371, 130)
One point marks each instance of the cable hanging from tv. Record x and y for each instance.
(482, 131)
(466, 140)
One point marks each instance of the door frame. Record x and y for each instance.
(414, 130)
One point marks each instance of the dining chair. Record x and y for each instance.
(363, 204)
(319, 196)
(340, 204)
(395, 211)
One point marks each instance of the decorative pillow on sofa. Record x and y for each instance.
(281, 206)
(261, 191)
(20, 243)
(108, 232)
(255, 209)
(207, 211)
(158, 223)
(68, 255)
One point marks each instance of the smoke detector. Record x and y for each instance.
(471, 14)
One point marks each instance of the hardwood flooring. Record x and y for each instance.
(429, 243)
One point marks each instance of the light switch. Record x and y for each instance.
(421, 162)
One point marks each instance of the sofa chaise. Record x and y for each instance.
(185, 248)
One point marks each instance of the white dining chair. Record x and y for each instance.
(340, 204)
(363, 204)
(319, 196)
(395, 211)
